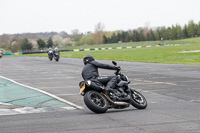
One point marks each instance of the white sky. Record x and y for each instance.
(20, 16)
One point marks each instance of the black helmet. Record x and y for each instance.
(88, 58)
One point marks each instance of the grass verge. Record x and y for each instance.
(164, 54)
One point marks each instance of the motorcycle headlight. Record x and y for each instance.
(126, 78)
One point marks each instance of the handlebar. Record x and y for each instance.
(118, 71)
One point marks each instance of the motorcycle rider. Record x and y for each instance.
(90, 72)
(55, 50)
(49, 50)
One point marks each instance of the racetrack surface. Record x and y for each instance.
(172, 92)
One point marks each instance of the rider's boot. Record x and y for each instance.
(108, 88)
(123, 94)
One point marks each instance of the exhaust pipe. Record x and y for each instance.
(121, 103)
(116, 103)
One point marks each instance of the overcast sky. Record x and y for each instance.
(22, 16)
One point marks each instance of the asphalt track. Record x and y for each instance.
(172, 91)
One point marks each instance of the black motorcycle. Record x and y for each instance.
(99, 100)
(50, 55)
(56, 56)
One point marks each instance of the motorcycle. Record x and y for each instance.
(56, 56)
(50, 55)
(99, 100)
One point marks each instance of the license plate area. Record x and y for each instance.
(82, 89)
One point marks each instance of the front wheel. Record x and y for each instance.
(138, 100)
(96, 102)
(50, 57)
(56, 58)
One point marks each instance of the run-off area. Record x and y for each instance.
(29, 99)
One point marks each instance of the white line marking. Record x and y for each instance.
(5, 103)
(145, 91)
(68, 108)
(8, 112)
(72, 94)
(26, 110)
(153, 102)
(54, 96)
(59, 87)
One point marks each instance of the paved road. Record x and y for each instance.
(172, 92)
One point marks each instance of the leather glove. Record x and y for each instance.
(117, 68)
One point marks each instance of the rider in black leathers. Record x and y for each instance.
(90, 72)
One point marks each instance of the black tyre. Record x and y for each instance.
(50, 57)
(96, 102)
(57, 58)
(138, 100)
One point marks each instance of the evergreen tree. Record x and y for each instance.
(191, 29)
(164, 34)
(185, 31)
(141, 33)
(198, 29)
(126, 36)
(132, 37)
(119, 36)
(158, 34)
(41, 43)
(151, 36)
(179, 31)
(26, 45)
(123, 36)
(114, 38)
(105, 40)
(173, 32)
(137, 36)
(49, 43)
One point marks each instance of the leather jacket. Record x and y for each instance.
(90, 71)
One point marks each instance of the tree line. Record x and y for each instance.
(149, 34)
(26, 45)
(34, 41)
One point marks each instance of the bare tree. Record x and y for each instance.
(98, 34)
(15, 46)
(75, 32)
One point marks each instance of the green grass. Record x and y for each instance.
(190, 41)
(163, 54)
(150, 55)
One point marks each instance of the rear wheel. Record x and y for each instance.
(96, 102)
(138, 100)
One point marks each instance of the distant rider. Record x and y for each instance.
(55, 50)
(50, 51)
(90, 72)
